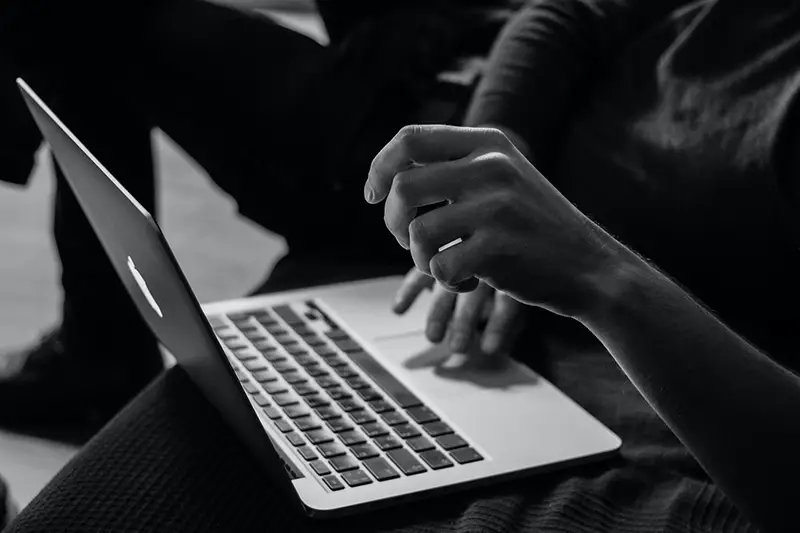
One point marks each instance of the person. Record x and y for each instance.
(249, 100)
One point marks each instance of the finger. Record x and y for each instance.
(440, 313)
(422, 145)
(458, 267)
(414, 283)
(467, 313)
(502, 326)
(436, 231)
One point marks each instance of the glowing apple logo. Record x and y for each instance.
(143, 287)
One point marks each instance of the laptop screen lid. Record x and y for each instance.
(144, 262)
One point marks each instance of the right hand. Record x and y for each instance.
(458, 318)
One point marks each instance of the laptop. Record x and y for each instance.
(340, 400)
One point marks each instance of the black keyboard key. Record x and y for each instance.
(369, 394)
(261, 399)
(275, 356)
(364, 451)
(316, 401)
(254, 365)
(343, 463)
(333, 482)
(451, 442)
(347, 345)
(380, 406)
(275, 329)
(345, 371)
(339, 394)
(338, 425)
(275, 387)
(285, 367)
(296, 351)
(302, 330)
(420, 444)
(393, 418)
(249, 329)
(305, 389)
(307, 423)
(288, 314)
(285, 399)
(326, 382)
(422, 414)
(296, 411)
(436, 459)
(314, 340)
(406, 462)
(351, 438)
(308, 453)
(265, 376)
(317, 372)
(406, 431)
(381, 469)
(283, 425)
(362, 417)
(273, 412)
(337, 334)
(388, 442)
(319, 436)
(306, 361)
(356, 478)
(375, 429)
(261, 315)
(320, 467)
(466, 455)
(357, 382)
(295, 439)
(255, 336)
(246, 356)
(331, 449)
(323, 350)
(335, 360)
(251, 388)
(326, 412)
(435, 429)
(293, 378)
(390, 384)
(350, 405)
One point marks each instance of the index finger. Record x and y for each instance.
(422, 144)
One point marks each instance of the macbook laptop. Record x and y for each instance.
(345, 403)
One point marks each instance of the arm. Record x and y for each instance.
(547, 54)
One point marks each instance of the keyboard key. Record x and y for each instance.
(285, 339)
(316, 401)
(343, 463)
(451, 442)
(351, 438)
(338, 425)
(275, 387)
(265, 376)
(273, 412)
(251, 388)
(260, 315)
(254, 365)
(326, 382)
(296, 411)
(339, 394)
(319, 436)
(362, 417)
(381, 469)
(261, 399)
(242, 376)
(393, 418)
(317, 372)
(285, 399)
(283, 425)
(327, 413)
(285, 367)
(293, 378)
(307, 423)
(350, 405)
(323, 350)
(357, 382)
(335, 360)
(364, 451)
(288, 314)
(296, 350)
(274, 356)
(381, 406)
(246, 356)
(255, 336)
(386, 381)
(267, 320)
(436, 459)
(347, 345)
(466, 455)
(320, 467)
(434, 429)
(356, 478)
(422, 414)
(295, 439)
(249, 329)
(388, 442)
(369, 394)
(406, 462)
(307, 453)
(344, 371)
(306, 361)
(420, 444)
(305, 389)
(302, 330)
(333, 482)
(406, 431)
(237, 345)
(275, 329)
(331, 449)
(337, 334)
(314, 340)
(375, 429)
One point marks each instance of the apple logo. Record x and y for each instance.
(143, 287)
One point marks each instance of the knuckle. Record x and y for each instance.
(417, 230)
(499, 138)
(498, 166)
(403, 185)
(408, 134)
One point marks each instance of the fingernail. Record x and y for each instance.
(369, 194)
(491, 343)
(458, 342)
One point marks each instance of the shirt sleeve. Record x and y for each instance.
(546, 57)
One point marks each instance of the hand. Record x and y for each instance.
(459, 317)
(517, 233)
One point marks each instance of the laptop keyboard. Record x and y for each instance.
(350, 419)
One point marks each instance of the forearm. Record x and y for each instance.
(733, 407)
